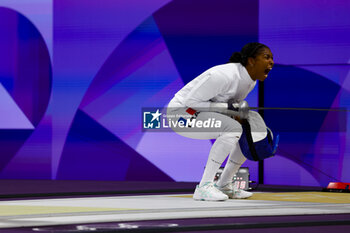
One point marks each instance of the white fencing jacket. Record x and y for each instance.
(212, 89)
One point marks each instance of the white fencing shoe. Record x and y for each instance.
(234, 193)
(208, 192)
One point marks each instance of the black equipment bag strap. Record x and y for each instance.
(248, 133)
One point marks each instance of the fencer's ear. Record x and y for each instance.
(251, 61)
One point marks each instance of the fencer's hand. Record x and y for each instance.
(240, 109)
(237, 118)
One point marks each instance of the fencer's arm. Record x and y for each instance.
(209, 87)
(242, 108)
(233, 109)
(219, 107)
(201, 94)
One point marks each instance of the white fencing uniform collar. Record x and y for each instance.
(245, 75)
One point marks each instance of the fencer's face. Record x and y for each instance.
(261, 65)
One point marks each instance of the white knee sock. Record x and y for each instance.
(218, 153)
(234, 162)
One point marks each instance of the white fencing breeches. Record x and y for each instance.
(227, 136)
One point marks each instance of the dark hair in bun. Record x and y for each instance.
(248, 50)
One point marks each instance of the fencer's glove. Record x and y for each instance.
(240, 109)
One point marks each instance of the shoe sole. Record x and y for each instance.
(228, 193)
(241, 197)
(202, 199)
(209, 199)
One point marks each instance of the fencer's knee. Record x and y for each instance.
(231, 138)
(232, 132)
(234, 127)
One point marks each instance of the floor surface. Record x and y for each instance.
(83, 210)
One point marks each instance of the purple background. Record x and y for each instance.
(74, 76)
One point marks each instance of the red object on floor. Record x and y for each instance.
(338, 185)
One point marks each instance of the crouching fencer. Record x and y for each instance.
(212, 106)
